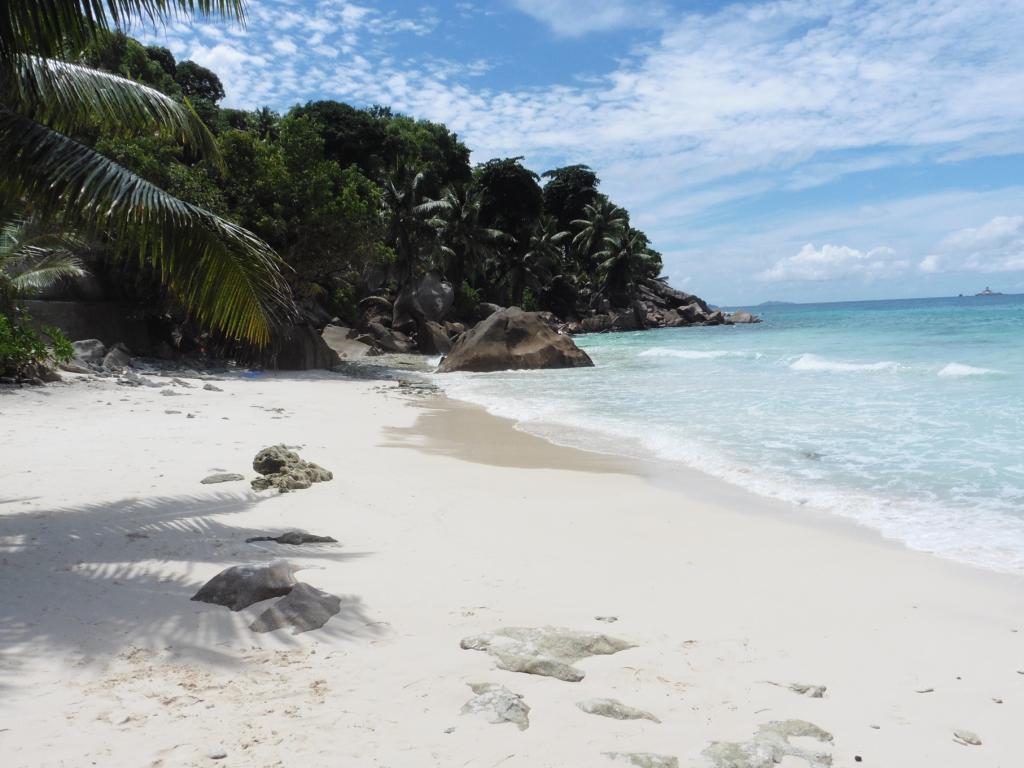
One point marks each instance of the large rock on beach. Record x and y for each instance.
(240, 586)
(118, 358)
(512, 339)
(547, 651)
(89, 351)
(428, 300)
(302, 348)
(388, 339)
(302, 609)
(433, 339)
(283, 469)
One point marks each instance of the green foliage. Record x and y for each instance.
(568, 192)
(22, 347)
(466, 299)
(512, 200)
(529, 302)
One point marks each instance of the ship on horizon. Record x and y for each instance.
(988, 292)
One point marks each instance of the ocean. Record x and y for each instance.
(906, 416)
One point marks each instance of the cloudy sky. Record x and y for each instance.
(792, 150)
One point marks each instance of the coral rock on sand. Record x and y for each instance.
(499, 704)
(614, 709)
(644, 759)
(511, 339)
(769, 746)
(810, 691)
(284, 470)
(967, 738)
(302, 609)
(545, 651)
(221, 477)
(295, 538)
(240, 586)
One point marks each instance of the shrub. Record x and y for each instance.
(22, 347)
(529, 301)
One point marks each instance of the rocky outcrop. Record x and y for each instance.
(301, 348)
(302, 609)
(547, 651)
(511, 339)
(118, 358)
(240, 586)
(388, 339)
(433, 339)
(741, 316)
(283, 469)
(428, 300)
(486, 309)
(344, 342)
(498, 704)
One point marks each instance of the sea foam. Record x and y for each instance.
(815, 363)
(687, 354)
(958, 370)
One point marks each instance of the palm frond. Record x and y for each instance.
(68, 98)
(32, 269)
(51, 27)
(226, 277)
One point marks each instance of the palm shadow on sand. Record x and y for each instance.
(86, 583)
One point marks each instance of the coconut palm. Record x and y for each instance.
(466, 245)
(602, 219)
(622, 262)
(226, 277)
(33, 258)
(409, 214)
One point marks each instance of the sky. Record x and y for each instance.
(796, 150)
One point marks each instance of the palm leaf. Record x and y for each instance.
(225, 276)
(32, 268)
(69, 98)
(52, 27)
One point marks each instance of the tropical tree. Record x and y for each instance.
(408, 229)
(33, 258)
(226, 277)
(465, 244)
(601, 219)
(622, 262)
(568, 191)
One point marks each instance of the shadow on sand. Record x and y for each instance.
(89, 582)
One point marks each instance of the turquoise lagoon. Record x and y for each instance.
(906, 416)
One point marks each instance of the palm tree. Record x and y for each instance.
(466, 245)
(602, 219)
(226, 277)
(408, 226)
(33, 258)
(624, 259)
(534, 267)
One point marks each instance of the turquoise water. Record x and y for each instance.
(907, 416)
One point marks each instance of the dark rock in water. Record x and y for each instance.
(303, 608)
(485, 309)
(303, 349)
(499, 704)
(118, 358)
(770, 746)
(433, 339)
(643, 759)
(742, 316)
(596, 324)
(627, 319)
(221, 477)
(428, 301)
(295, 538)
(691, 313)
(715, 318)
(284, 470)
(240, 586)
(547, 651)
(512, 339)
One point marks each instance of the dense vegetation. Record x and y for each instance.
(359, 202)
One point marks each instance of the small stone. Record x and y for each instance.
(221, 477)
(499, 704)
(212, 388)
(925, 690)
(171, 412)
(190, 416)
(644, 759)
(170, 393)
(810, 691)
(967, 738)
(607, 619)
(997, 700)
(858, 759)
(877, 727)
(614, 709)
(217, 754)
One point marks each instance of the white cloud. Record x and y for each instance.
(833, 262)
(285, 45)
(996, 246)
(574, 18)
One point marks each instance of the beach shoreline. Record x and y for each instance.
(452, 522)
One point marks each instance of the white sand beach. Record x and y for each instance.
(450, 524)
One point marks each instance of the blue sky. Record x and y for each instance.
(797, 149)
